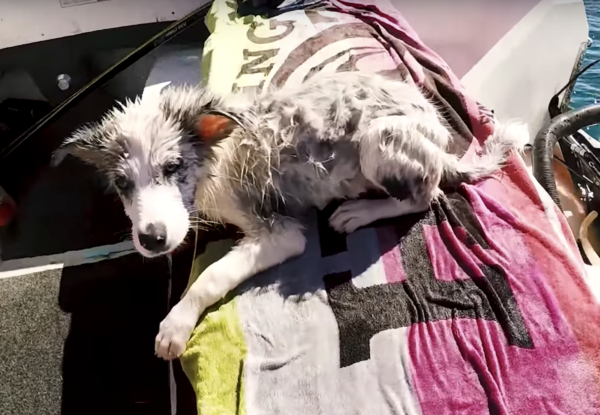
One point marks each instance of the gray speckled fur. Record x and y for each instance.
(334, 137)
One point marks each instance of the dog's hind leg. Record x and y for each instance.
(402, 156)
(353, 214)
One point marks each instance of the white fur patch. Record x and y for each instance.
(158, 204)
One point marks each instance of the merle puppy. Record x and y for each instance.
(259, 162)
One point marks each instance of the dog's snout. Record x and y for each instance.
(154, 239)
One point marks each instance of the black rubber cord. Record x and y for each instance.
(553, 105)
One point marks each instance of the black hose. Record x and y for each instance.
(561, 126)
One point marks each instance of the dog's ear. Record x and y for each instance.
(214, 127)
(85, 144)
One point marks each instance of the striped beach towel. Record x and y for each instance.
(477, 306)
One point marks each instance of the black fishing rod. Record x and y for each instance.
(164, 36)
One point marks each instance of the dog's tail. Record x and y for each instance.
(497, 148)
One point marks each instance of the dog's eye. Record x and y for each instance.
(171, 168)
(122, 183)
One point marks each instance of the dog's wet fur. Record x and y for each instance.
(260, 162)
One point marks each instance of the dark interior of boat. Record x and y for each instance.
(108, 362)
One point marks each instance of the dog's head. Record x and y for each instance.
(154, 153)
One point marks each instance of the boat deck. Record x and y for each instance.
(92, 350)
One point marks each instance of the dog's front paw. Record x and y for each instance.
(175, 330)
(351, 215)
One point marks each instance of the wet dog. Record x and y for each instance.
(260, 162)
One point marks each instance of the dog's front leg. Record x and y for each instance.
(255, 253)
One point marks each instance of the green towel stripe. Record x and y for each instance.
(214, 362)
(215, 354)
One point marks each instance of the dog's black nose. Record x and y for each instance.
(154, 238)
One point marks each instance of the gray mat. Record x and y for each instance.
(32, 333)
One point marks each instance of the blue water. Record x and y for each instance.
(587, 88)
